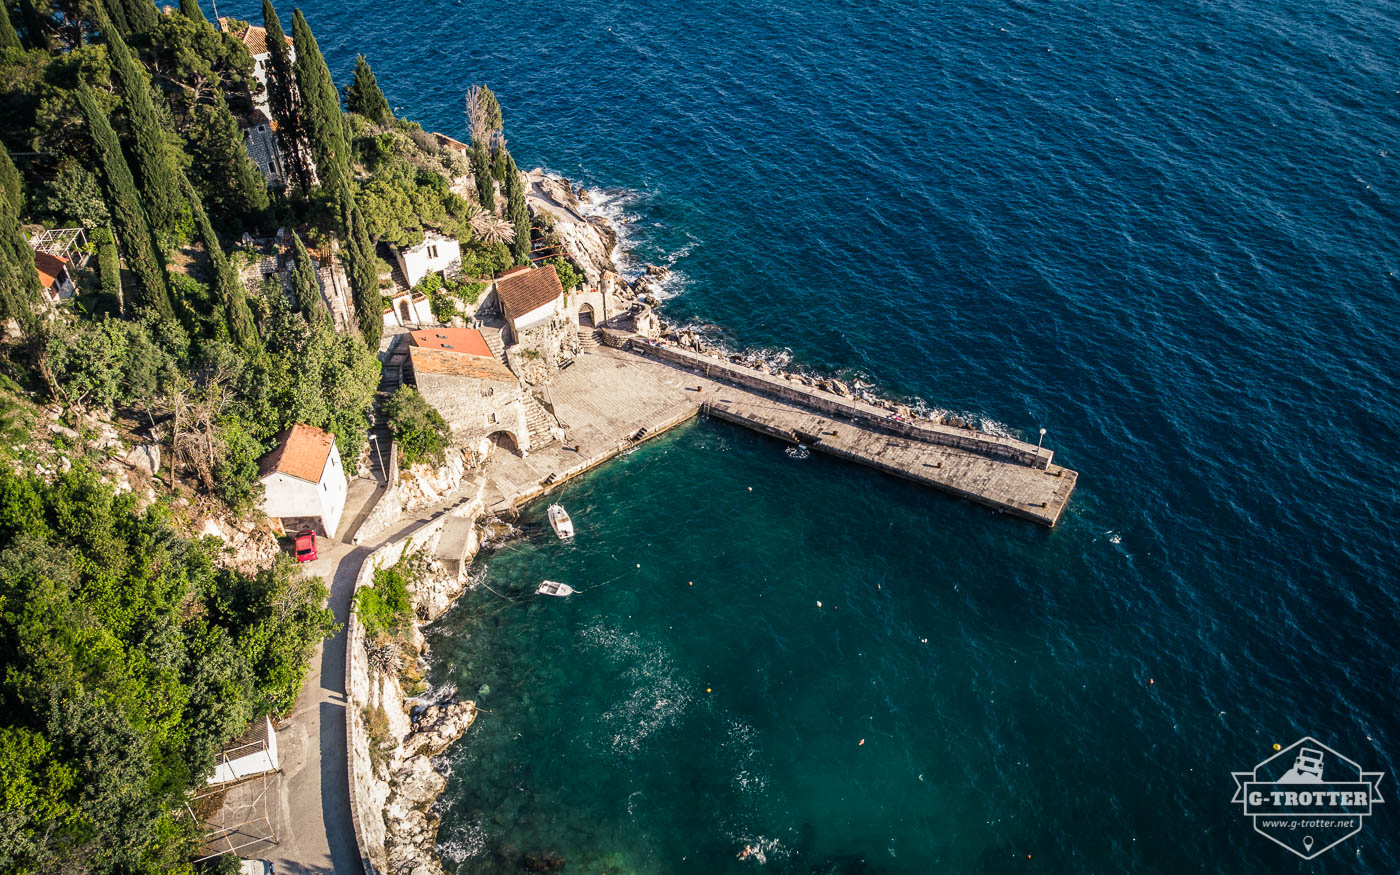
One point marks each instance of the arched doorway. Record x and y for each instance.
(404, 311)
(505, 440)
(585, 316)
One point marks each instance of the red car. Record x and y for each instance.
(306, 545)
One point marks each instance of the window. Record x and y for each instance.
(491, 418)
(432, 252)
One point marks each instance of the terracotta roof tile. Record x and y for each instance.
(463, 340)
(254, 37)
(456, 364)
(526, 290)
(49, 266)
(302, 452)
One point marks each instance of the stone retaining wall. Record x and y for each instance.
(850, 409)
(389, 505)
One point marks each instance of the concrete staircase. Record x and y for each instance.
(538, 422)
(494, 341)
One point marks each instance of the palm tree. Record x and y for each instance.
(492, 228)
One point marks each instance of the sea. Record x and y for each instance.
(1168, 233)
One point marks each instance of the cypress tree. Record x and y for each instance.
(305, 286)
(230, 181)
(364, 279)
(323, 123)
(155, 166)
(285, 101)
(517, 212)
(228, 288)
(20, 290)
(141, 15)
(363, 95)
(485, 182)
(116, 13)
(34, 33)
(191, 10)
(134, 235)
(109, 268)
(8, 38)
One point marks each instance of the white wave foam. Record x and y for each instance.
(656, 694)
(465, 841)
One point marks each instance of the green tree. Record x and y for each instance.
(305, 287)
(324, 125)
(116, 12)
(156, 170)
(192, 10)
(8, 38)
(35, 34)
(419, 430)
(485, 182)
(363, 96)
(20, 289)
(228, 287)
(73, 195)
(285, 100)
(141, 15)
(221, 167)
(363, 268)
(134, 235)
(517, 212)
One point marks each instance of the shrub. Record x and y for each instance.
(386, 608)
(419, 430)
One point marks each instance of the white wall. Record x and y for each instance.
(420, 312)
(540, 314)
(435, 253)
(286, 496)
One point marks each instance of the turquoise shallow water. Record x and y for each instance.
(1169, 233)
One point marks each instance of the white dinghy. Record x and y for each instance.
(559, 519)
(554, 587)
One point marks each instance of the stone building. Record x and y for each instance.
(54, 277)
(255, 39)
(481, 400)
(265, 151)
(304, 483)
(529, 297)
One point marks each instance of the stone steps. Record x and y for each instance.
(538, 422)
(589, 338)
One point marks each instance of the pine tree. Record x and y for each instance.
(305, 285)
(361, 264)
(20, 290)
(226, 175)
(285, 101)
(134, 235)
(141, 15)
(191, 10)
(363, 96)
(228, 288)
(517, 212)
(9, 39)
(34, 33)
(323, 122)
(159, 176)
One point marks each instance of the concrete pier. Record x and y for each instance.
(608, 397)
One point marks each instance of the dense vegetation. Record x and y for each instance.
(130, 654)
(131, 657)
(419, 430)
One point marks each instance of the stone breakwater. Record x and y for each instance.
(392, 739)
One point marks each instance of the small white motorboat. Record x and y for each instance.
(554, 587)
(559, 519)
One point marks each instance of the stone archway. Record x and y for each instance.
(585, 316)
(506, 440)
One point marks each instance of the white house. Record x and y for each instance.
(530, 296)
(437, 253)
(304, 482)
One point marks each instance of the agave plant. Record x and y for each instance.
(492, 228)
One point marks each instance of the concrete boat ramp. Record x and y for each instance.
(612, 398)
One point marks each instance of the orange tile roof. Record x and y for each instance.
(463, 340)
(526, 290)
(49, 266)
(456, 364)
(447, 142)
(254, 37)
(302, 452)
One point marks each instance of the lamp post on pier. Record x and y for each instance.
(1037, 447)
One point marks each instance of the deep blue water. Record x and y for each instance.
(1167, 232)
